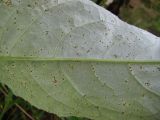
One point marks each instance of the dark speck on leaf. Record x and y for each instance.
(88, 51)
(47, 32)
(141, 67)
(28, 5)
(115, 56)
(54, 81)
(126, 81)
(147, 84)
(17, 11)
(158, 68)
(75, 46)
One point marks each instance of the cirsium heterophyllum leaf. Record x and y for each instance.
(74, 58)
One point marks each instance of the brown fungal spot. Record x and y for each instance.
(54, 80)
(7, 2)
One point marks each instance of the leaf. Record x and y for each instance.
(74, 58)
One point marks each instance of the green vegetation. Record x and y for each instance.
(144, 14)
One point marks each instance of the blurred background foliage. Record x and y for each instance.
(144, 14)
(141, 13)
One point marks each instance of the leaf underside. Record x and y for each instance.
(73, 58)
